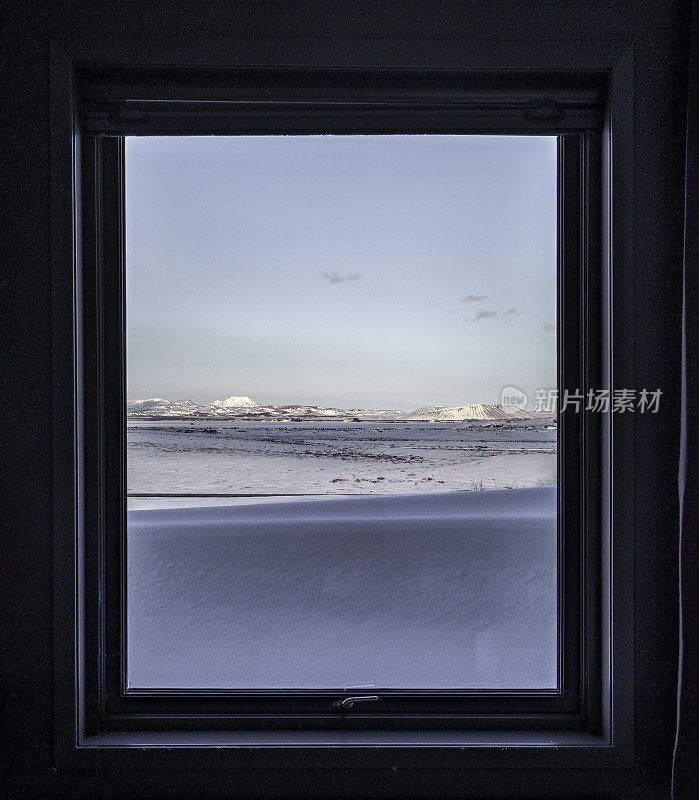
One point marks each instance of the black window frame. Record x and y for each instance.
(100, 104)
(568, 707)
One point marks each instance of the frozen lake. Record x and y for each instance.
(330, 458)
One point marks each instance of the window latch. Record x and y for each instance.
(348, 702)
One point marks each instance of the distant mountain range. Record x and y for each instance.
(245, 408)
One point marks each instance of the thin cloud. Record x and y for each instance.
(334, 277)
(484, 313)
(548, 327)
(511, 311)
(473, 298)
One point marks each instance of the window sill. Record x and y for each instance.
(333, 749)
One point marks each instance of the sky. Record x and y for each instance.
(347, 271)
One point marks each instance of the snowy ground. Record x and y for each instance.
(336, 457)
(431, 590)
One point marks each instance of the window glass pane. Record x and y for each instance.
(341, 352)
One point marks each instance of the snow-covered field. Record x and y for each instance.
(429, 590)
(250, 457)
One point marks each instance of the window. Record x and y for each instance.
(120, 115)
(349, 284)
(257, 611)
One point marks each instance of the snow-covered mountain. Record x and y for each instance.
(291, 412)
(158, 407)
(233, 407)
(236, 402)
(474, 411)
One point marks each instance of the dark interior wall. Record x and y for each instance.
(658, 31)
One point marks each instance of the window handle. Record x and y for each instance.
(348, 702)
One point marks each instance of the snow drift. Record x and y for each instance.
(414, 591)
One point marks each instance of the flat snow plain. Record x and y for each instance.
(430, 590)
(336, 457)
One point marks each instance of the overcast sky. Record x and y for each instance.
(350, 271)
